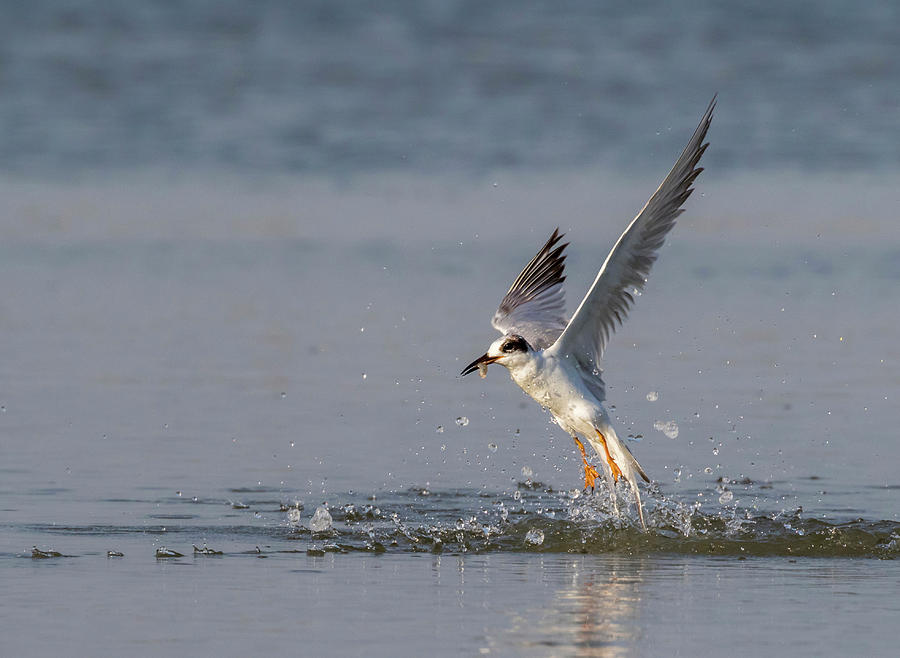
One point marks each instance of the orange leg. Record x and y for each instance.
(616, 471)
(590, 473)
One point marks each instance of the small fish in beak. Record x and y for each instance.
(480, 364)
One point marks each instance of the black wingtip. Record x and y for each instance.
(556, 237)
(707, 116)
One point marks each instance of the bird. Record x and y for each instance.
(557, 361)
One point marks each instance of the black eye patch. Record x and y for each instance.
(514, 344)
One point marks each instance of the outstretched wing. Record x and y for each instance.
(628, 264)
(534, 307)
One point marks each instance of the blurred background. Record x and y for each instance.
(344, 89)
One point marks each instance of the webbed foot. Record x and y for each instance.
(614, 467)
(590, 473)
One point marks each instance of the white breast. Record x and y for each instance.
(555, 385)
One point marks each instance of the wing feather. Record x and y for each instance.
(626, 267)
(534, 306)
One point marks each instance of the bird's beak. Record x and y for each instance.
(482, 360)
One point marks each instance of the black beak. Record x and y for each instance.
(472, 367)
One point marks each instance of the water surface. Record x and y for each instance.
(248, 248)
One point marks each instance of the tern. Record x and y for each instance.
(558, 362)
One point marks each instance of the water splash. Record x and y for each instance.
(163, 552)
(321, 520)
(534, 519)
(534, 537)
(550, 521)
(668, 427)
(39, 554)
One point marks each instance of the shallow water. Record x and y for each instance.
(591, 605)
(209, 395)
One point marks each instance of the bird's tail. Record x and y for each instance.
(608, 445)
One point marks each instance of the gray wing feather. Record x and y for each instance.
(628, 264)
(534, 306)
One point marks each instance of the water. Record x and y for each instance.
(243, 263)
(275, 86)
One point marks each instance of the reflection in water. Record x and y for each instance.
(594, 614)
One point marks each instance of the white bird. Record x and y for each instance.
(557, 362)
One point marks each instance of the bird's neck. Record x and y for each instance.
(526, 368)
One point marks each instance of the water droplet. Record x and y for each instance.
(726, 497)
(715, 451)
(669, 428)
(364, 375)
(707, 470)
(492, 447)
(527, 472)
(517, 495)
(321, 520)
(652, 396)
(462, 421)
(283, 395)
(440, 429)
(534, 537)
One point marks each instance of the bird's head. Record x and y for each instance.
(508, 351)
